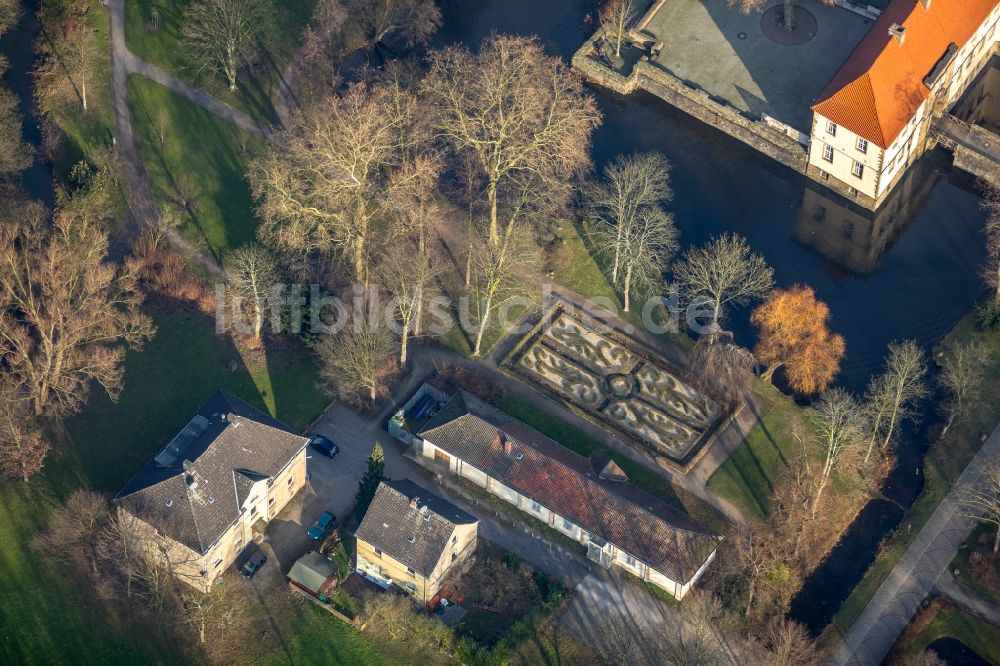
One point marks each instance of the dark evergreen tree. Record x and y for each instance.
(369, 482)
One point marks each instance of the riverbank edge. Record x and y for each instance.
(895, 545)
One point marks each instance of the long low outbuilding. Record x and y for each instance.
(588, 500)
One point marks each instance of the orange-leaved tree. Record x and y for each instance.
(794, 335)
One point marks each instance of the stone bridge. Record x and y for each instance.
(976, 149)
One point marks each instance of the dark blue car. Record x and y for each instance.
(321, 526)
(324, 446)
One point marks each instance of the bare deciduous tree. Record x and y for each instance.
(963, 370)
(788, 644)
(643, 251)
(66, 316)
(723, 272)
(414, 21)
(250, 275)
(722, 369)
(354, 360)
(23, 443)
(616, 21)
(630, 183)
(838, 425)
(219, 611)
(522, 116)
(10, 13)
(981, 501)
(500, 274)
(892, 396)
(696, 638)
(408, 275)
(219, 34)
(336, 181)
(15, 154)
(73, 530)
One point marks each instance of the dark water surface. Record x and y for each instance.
(17, 47)
(913, 276)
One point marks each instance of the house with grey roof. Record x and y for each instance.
(413, 539)
(230, 469)
(588, 500)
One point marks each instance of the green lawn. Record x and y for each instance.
(961, 562)
(48, 620)
(749, 476)
(639, 475)
(279, 41)
(202, 160)
(980, 636)
(320, 638)
(943, 464)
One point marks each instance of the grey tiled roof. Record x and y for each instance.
(567, 484)
(415, 536)
(195, 488)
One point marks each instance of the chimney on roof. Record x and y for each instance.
(926, 4)
(898, 32)
(413, 502)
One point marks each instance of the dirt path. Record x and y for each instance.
(142, 213)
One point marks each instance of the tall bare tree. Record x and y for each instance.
(990, 311)
(353, 361)
(335, 181)
(838, 426)
(15, 154)
(74, 529)
(788, 644)
(10, 13)
(788, 18)
(413, 21)
(218, 611)
(67, 60)
(643, 251)
(219, 35)
(892, 396)
(23, 443)
(66, 315)
(616, 21)
(722, 369)
(630, 184)
(524, 119)
(723, 272)
(408, 276)
(500, 274)
(964, 367)
(250, 275)
(981, 501)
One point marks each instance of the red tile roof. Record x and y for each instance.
(567, 484)
(881, 84)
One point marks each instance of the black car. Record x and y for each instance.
(254, 564)
(322, 445)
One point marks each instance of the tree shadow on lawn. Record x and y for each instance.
(211, 179)
(165, 383)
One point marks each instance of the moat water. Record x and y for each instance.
(911, 272)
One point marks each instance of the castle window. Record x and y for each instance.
(858, 169)
(862, 145)
(831, 128)
(828, 153)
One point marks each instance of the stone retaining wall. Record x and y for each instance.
(757, 134)
(648, 76)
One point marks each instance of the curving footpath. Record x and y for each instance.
(142, 212)
(915, 575)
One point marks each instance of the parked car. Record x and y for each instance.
(322, 525)
(324, 446)
(254, 564)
